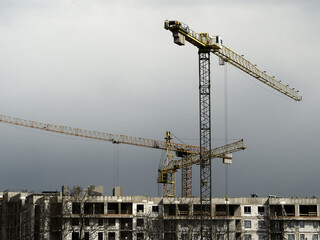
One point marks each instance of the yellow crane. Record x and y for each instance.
(207, 44)
(171, 166)
(165, 172)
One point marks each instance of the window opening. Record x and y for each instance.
(86, 236)
(75, 221)
(301, 224)
(111, 221)
(100, 235)
(88, 208)
(76, 209)
(100, 222)
(113, 208)
(99, 208)
(247, 224)
(140, 222)
(261, 210)
(140, 208)
(155, 208)
(247, 237)
(290, 236)
(75, 236)
(247, 210)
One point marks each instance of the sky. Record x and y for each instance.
(110, 66)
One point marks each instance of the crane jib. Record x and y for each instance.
(121, 139)
(182, 32)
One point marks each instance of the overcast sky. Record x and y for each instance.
(110, 66)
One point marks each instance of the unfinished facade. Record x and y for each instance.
(87, 214)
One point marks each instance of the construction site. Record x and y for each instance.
(77, 213)
(87, 214)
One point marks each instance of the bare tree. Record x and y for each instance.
(149, 225)
(81, 214)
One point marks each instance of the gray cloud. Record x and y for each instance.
(112, 67)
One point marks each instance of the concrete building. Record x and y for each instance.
(88, 214)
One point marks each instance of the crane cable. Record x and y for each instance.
(226, 124)
(116, 164)
(226, 140)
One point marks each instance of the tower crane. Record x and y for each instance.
(207, 44)
(166, 172)
(170, 167)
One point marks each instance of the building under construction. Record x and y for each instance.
(88, 214)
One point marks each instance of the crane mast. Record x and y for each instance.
(169, 189)
(205, 132)
(206, 45)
